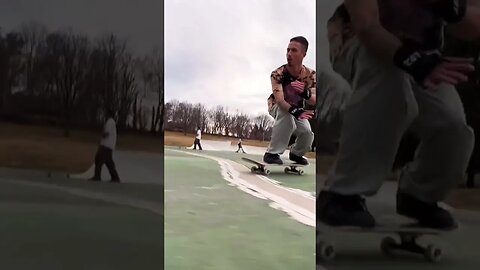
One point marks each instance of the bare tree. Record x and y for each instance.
(218, 119)
(241, 123)
(125, 89)
(158, 86)
(10, 65)
(70, 52)
(184, 116)
(262, 122)
(33, 35)
(114, 78)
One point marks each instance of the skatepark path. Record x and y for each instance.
(299, 205)
(133, 167)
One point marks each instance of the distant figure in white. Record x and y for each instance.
(240, 147)
(197, 140)
(105, 150)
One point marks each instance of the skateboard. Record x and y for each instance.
(261, 167)
(408, 232)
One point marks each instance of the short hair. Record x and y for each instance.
(301, 40)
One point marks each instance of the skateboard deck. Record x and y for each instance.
(406, 230)
(290, 167)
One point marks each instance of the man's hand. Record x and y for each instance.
(300, 113)
(299, 88)
(430, 68)
(451, 70)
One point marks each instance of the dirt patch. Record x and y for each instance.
(324, 163)
(45, 148)
(463, 198)
(186, 140)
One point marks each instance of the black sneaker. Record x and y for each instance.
(298, 159)
(343, 210)
(272, 159)
(427, 214)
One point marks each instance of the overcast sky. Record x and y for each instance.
(217, 52)
(221, 52)
(139, 20)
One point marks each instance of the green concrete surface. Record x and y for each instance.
(49, 229)
(211, 225)
(305, 182)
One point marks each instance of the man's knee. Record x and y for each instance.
(454, 123)
(456, 131)
(305, 131)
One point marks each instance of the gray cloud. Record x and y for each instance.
(140, 21)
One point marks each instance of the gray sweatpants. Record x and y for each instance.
(286, 125)
(385, 103)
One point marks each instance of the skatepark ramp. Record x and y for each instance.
(214, 145)
(232, 147)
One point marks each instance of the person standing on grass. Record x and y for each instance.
(105, 150)
(198, 137)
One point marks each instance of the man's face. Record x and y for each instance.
(295, 53)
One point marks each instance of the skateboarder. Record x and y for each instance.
(240, 147)
(198, 137)
(293, 84)
(105, 150)
(400, 81)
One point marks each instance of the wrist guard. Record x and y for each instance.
(306, 94)
(295, 111)
(417, 63)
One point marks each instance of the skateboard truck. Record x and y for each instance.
(261, 167)
(293, 169)
(408, 242)
(408, 233)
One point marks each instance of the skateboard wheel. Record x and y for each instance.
(433, 253)
(326, 252)
(388, 245)
(253, 169)
(300, 172)
(286, 170)
(267, 172)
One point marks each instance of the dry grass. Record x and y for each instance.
(180, 139)
(45, 148)
(464, 198)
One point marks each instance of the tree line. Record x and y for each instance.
(68, 79)
(186, 117)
